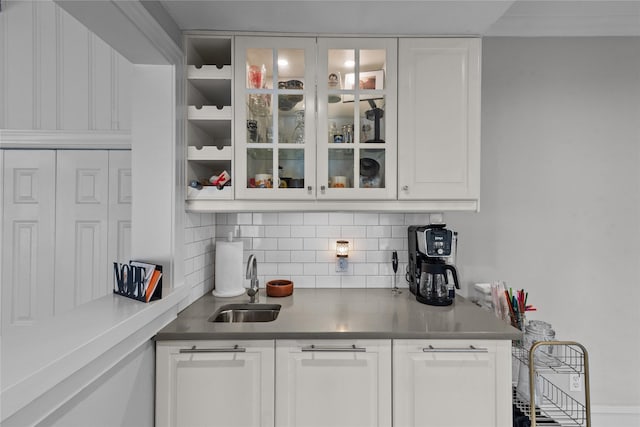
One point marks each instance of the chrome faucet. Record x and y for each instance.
(252, 273)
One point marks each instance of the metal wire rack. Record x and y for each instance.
(555, 407)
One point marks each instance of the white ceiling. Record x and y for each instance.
(529, 18)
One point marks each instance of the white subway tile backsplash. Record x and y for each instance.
(245, 218)
(377, 231)
(277, 231)
(353, 282)
(316, 269)
(290, 218)
(392, 244)
(303, 256)
(316, 244)
(380, 282)
(290, 269)
(199, 234)
(207, 219)
(265, 244)
(328, 231)
(340, 218)
(326, 256)
(277, 256)
(290, 244)
(365, 244)
(268, 268)
(303, 231)
(416, 219)
(301, 245)
(328, 281)
(303, 282)
(316, 218)
(358, 256)
(349, 232)
(399, 232)
(360, 218)
(251, 231)
(365, 269)
(265, 218)
(391, 219)
(378, 256)
(192, 220)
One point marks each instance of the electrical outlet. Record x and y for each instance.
(575, 382)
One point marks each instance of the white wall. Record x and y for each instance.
(56, 74)
(560, 201)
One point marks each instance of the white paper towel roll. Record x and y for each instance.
(228, 270)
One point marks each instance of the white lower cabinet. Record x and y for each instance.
(215, 383)
(452, 383)
(333, 383)
(306, 383)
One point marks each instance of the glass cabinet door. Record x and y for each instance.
(275, 122)
(356, 133)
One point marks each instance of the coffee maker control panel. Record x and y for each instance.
(435, 242)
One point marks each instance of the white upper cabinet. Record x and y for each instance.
(275, 118)
(439, 119)
(334, 123)
(356, 135)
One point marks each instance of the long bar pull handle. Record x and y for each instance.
(352, 349)
(470, 349)
(234, 349)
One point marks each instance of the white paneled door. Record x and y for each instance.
(28, 235)
(119, 239)
(82, 207)
(66, 218)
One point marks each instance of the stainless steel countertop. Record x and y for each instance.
(342, 313)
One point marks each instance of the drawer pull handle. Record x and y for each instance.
(352, 349)
(470, 349)
(234, 349)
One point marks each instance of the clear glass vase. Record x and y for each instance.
(298, 133)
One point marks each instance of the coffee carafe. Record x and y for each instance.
(433, 288)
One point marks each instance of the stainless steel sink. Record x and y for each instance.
(243, 313)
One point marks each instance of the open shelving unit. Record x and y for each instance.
(209, 114)
(550, 365)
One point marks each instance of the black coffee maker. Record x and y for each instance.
(429, 248)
